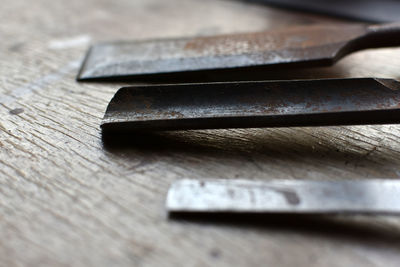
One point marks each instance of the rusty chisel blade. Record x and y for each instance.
(313, 45)
(372, 196)
(254, 104)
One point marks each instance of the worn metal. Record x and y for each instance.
(315, 45)
(365, 10)
(254, 104)
(285, 196)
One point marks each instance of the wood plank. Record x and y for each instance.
(67, 198)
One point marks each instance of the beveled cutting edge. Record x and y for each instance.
(371, 196)
(254, 104)
(301, 46)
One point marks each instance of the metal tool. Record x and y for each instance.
(285, 196)
(366, 10)
(254, 104)
(316, 45)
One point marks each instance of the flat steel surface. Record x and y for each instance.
(285, 196)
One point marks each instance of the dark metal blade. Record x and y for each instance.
(254, 104)
(299, 46)
(285, 196)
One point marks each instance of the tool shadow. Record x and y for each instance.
(260, 149)
(188, 148)
(354, 229)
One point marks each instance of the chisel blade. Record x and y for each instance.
(254, 104)
(373, 196)
(314, 45)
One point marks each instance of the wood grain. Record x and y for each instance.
(69, 197)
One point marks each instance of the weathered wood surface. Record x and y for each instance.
(68, 199)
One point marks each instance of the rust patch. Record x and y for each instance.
(296, 37)
(291, 197)
(171, 114)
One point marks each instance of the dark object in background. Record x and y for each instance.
(362, 10)
(301, 46)
(254, 104)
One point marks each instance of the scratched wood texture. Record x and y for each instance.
(69, 198)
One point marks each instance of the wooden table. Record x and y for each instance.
(68, 199)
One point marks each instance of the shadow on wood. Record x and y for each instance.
(353, 229)
(294, 147)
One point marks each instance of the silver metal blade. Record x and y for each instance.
(285, 196)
